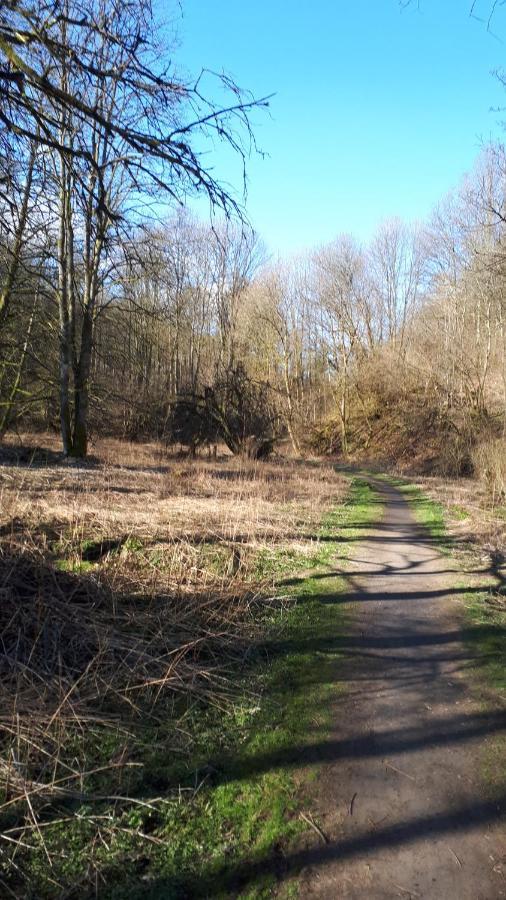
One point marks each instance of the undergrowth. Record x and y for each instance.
(189, 818)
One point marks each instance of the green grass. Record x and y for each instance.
(276, 563)
(78, 566)
(485, 633)
(428, 513)
(459, 512)
(486, 619)
(247, 762)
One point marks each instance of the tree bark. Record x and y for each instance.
(81, 389)
(12, 271)
(66, 325)
(9, 405)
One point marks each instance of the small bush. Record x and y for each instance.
(236, 410)
(489, 461)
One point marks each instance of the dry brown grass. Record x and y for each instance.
(474, 521)
(489, 460)
(128, 591)
(139, 489)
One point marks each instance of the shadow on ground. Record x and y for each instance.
(388, 659)
(402, 660)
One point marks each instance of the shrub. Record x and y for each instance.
(489, 461)
(236, 409)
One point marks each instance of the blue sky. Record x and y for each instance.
(377, 112)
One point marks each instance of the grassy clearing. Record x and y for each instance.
(163, 684)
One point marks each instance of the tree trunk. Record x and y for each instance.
(81, 390)
(288, 392)
(343, 406)
(66, 325)
(12, 271)
(9, 405)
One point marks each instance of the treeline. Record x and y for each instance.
(405, 338)
(122, 319)
(99, 133)
(398, 347)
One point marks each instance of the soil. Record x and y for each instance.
(402, 802)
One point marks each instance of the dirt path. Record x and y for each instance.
(400, 796)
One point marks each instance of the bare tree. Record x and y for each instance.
(339, 269)
(87, 82)
(397, 265)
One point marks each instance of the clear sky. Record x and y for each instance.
(377, 111)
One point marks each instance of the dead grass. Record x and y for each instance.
(474, 521)
(489, 461)
(128, 593)
(135, 488)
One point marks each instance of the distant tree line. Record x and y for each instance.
(118, 317)
(199, 338)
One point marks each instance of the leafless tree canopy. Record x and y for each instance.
(123, 314)
(99, 133)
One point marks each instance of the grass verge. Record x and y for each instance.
(483, 627)
(234, 804)
(426, 511)
(485, 623)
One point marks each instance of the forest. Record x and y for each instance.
(120, 318)
(196, 434)
(187, 332)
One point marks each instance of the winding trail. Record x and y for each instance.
(400, 795)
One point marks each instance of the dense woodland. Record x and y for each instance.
(124, 314)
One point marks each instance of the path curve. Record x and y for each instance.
(401, 799)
